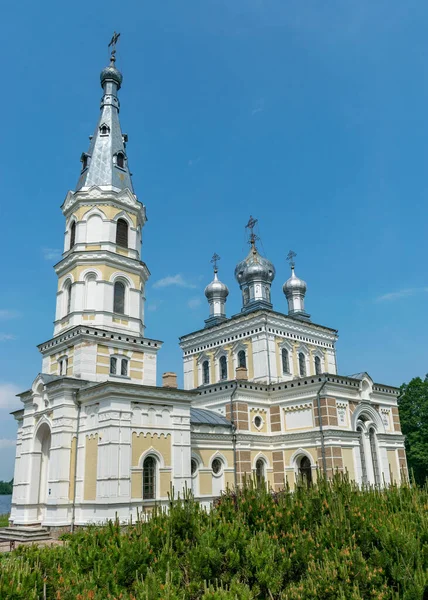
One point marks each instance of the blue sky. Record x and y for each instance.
(311, 116)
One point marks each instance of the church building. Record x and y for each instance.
(262, 397)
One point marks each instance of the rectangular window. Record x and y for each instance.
(113, 365)
(124, 368)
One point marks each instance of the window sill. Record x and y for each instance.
(119, 376)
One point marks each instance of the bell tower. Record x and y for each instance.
(99, 320)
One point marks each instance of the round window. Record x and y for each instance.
(216, 466)
(258, 421)
(193, 466)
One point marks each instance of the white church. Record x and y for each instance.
(97, 437)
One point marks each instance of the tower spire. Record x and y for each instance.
(105, 164)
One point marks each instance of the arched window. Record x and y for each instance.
(285, 361)
(63, 365)
(124, 367)
(72, 234)
(223, 367)
(193, 466)
(205, 372)
(362, 455)
(84, 161)
(217, 466)
(373, 450)
(67, 291)
(260, 472)
(305, 470)
(120, 160)
(122, 233)
(242, 359)
(302, 364)
(317, 365)
(119, 298)
(104, 129)
(113, 365)
(149, 478)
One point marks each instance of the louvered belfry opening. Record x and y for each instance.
(122, 233)
(72, 234)
(119, 298)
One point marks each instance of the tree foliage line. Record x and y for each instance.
(6, 487)
(331, 541)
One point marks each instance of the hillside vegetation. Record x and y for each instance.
(330, 541)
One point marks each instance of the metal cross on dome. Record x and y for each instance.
(250, 226)
(215, 260)
(290, 257)
(114, 39)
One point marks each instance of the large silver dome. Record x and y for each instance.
(254, 267)
(216, 289)
(294, 285)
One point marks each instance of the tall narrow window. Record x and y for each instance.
(124, 367)
(72, 234)
(260, 472)
(305, 470)
(285, 361)
(302, 364)
(206, 372)
(223, 367)
(120, 160)
(119, 298)
(317, 365)
(373, 450)
(67, 290)
(90, 292)
(149, 478)
(63, 364)
(362, 455)
(113, 365)
(242, 359)
(122, 233)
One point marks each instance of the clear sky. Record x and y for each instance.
(312, 116)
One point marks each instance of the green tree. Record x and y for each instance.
(6, 487)
(413, 405)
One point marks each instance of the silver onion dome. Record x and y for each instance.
(294, 285)
(216, 289)
(110, 73)
(254, 267)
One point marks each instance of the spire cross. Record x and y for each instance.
(290, 257)
(112, 44)
(215, 260)
(250, 226)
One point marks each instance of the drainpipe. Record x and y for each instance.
(73, 510)
(324, 462)
(232, 420)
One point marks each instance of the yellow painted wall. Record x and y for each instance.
(206, 455)
(206, 483)
(348, 462)
(229, 480)
(393, 465)
(249, 345)
(91, 460)
(164, 483)
(159, 442)
(72, 471)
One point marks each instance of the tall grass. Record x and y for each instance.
(332, 541)
(4, 520)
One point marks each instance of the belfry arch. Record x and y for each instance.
(40, 467)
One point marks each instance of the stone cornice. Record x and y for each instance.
(101, 256)
(259, 318)
(72, 336)
(135, 393)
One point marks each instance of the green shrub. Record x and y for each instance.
(331, 541)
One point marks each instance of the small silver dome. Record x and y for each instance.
(294, 285)
(216, 288)
(112, 74)
(254, 267)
